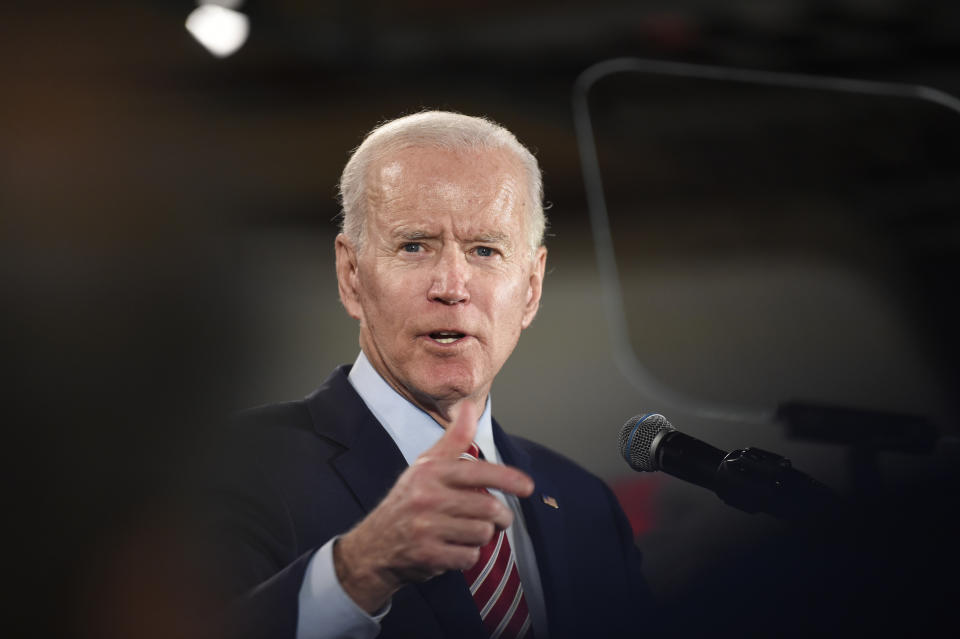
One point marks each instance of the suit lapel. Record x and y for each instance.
(546, 529)
(371, 465)
(370, 461)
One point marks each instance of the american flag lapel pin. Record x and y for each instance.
(550, 501)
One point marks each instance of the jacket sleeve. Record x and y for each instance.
(641, 595)
(258, 567)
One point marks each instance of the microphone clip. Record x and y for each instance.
(755, 480)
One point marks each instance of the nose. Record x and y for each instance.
(450, 277)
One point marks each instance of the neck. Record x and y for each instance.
(443, 412)
(441, 409)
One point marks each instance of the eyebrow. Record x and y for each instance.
(485, 238)
(492, 238)
(412, 234)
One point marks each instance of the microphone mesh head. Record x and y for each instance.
(636, 439)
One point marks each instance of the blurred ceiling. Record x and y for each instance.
(101, 78)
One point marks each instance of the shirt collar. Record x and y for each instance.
(412, 429)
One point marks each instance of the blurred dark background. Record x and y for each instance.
(167, 233)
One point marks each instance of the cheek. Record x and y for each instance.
(509, 295)
(376, 282)
(507, 304)
(389, 293)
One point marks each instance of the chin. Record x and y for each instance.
(444, 383)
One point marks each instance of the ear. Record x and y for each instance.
(535, 286)
(348, 276)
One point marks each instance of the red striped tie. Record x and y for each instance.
(495, 584)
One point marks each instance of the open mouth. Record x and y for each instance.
(446, 337)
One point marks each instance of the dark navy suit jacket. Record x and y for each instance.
(301, 472)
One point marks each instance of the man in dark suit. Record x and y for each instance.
(355, 513)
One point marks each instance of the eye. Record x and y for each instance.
(484, 251)
(411, 247)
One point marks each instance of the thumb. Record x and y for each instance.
(459, 434)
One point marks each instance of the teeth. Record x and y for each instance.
(446, 337)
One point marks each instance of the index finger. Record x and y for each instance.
(459, 434)
(482, 474)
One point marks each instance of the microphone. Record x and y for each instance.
(750, 479)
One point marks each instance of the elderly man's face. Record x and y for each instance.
(445, 280)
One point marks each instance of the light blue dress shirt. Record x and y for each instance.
(325, 610)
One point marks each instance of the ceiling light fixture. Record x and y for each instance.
(219, 27)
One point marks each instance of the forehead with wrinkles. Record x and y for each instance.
(415, 184)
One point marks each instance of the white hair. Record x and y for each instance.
(441, 130)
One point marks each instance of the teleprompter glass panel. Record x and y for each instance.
(777, 243)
